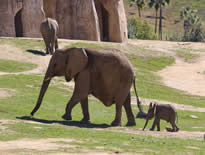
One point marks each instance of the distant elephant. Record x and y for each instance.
(107, 75)
(162, 111)
(49, 29)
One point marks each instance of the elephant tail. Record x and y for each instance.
(141, 113)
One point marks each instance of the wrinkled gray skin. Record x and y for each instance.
(49, 29)
(106, 75)
(162, 111)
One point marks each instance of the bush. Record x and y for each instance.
(138, 29)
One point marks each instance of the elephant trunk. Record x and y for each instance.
(146, 123)
(44, 87)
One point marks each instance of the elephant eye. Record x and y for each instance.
(55, 65)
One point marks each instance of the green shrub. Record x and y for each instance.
(138, 29)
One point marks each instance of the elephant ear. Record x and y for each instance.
(76, 61)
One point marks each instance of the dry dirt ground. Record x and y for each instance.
(189, 77)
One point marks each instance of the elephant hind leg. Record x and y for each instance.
(47, 44)
(174, 126)
(128, 110)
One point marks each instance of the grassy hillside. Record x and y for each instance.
(97, 137)
(172, 23)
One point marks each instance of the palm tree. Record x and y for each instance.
(161, 4)
(192, 24)
(139, 3)
(155, 3)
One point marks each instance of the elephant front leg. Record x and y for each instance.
(118, 115)
(84, 106)
(69, 107)
(154, 124)
(80, 94)
(158, 124)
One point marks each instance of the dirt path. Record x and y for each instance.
(189, 77)
(162, 134)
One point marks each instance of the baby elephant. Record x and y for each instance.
(162, 111)
(49, 29)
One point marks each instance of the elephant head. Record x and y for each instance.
(151, 113)
(68, 63)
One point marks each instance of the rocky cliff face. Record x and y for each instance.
(8, 10)
(32, 15)
(20, 18)
(78, 19)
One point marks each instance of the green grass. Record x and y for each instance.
(89, 45)
(15, 66)
(187, 54)
(98, 136)
(24, 44)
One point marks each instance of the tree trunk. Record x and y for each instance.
(139, 11)
(160, 23)
(156, 20)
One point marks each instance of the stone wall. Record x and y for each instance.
(78, 19)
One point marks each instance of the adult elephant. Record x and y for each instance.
(49, 29)
(107, 75)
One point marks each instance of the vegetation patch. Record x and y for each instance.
(89, 45)
(11, 66)
(24, 44)
(187, 55)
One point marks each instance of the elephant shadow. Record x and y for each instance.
(36, 52)
(68, 123)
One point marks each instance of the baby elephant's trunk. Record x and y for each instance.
(146, 124)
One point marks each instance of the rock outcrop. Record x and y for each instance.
(20, 18)
(78, 19)
(32, 15)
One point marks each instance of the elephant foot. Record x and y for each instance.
(67, 117)
(151, 129)
(85, 121)
(131, 124)
(116, 123)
